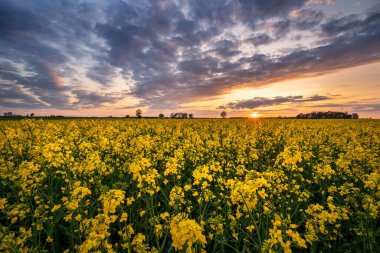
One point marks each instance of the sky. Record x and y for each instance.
(111, 57)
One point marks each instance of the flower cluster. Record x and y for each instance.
(125, 185)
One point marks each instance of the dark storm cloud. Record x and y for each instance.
(102, 73)
(354, 106)
(258, 40)
(44, 82)
(199, 67)
(347, 50)
(226, 48)
(91, 99)
(41, 36)
(13, 96)
(168, 52)
(305, 19)
(366, 107)
(337, 26)
(217, 13)
(268, 8)
(264, 102)
(281, 28)
(206, 76)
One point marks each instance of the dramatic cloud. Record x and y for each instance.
(258, 102)
(90, 99)
(16, 97)
(258, 40)
(315, 2)
(82, 54)
(362, 105)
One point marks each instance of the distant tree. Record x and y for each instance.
(27, 115)
(32, 114)
(127, 116)
(161, 116)
(355, 116)
(223, 114)
(327, 115)
(138, 113)
(181, 115)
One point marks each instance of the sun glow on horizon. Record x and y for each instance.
(255, 115)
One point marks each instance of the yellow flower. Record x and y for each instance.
(158, 230)
(186, 232)
(49, 239)
(111, 200)
(3, 201)
(176, 196)
(77, 194)
(124, 217)
(202, 173)
(55, 208)
(139, 245)
(250, 228)
(171, 167)
(68, 217)
(164, 215)
(130, 201)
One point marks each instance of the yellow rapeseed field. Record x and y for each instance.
(150, 185)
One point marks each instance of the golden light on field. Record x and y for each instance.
(252, 166)
(255, 115)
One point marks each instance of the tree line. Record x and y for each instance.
(177, 115)
(327, 115)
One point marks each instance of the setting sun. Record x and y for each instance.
(255, 115)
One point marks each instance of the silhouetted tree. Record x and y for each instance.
(127, 116)
(161, 116)
(138, 113)
(223, 114)
(327, 115)
(181, 115)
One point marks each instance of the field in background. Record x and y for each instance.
(190, 185)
